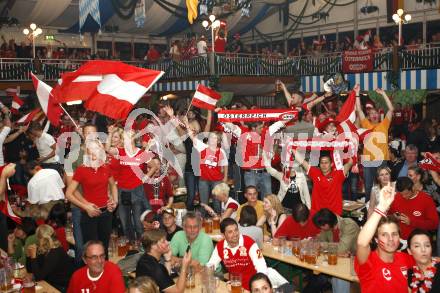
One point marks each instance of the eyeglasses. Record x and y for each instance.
(96, 257)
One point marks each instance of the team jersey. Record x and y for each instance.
(230, 204)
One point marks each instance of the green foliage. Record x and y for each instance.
(405, 97)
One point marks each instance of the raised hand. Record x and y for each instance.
(169, 110)
(386, 197)
(380, 91)
(357, 89)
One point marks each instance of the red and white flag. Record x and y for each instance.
(26, 119)
(50, 107)
(5, 207)
(205, 98)
(430, 163)
(347, 118)
(16, 101)
(108, 87)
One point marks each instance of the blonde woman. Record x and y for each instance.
(48, 261)
(274, 215)
(143, 285)
(383, 177)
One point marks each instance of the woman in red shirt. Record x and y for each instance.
(384, 269)
(213, 166)
(129, 179)
(97, 183)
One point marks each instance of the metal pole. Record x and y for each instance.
(212, 39)
(400, 32)
(33, 44)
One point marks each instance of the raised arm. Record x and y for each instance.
(315, 102)
(347, 166)
(359, 111)
(300, 158)
(390, 106)
(287, 95)
(367, 232)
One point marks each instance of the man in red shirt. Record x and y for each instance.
(98, 275)
(327, 183)
(414, 209)
(220, 40)
(299, 224)
(152, 55)
(239, 253)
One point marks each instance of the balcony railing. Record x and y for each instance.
(230, 65)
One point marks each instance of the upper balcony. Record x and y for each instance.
(16, 70)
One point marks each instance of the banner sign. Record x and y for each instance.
(357, 61)
(257, 115)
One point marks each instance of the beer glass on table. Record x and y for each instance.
(235, 283)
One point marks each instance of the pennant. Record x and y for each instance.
(205, 98)
(48, 104)
(86, 8)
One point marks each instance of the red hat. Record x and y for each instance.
(323, 124)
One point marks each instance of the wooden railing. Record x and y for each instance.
(230, 65)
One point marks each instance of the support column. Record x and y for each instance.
(424, 30)
(355, 20)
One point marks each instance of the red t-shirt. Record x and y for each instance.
(327, 190)
(420, 210)
(377, 276)
(94, 183)
(211, 162)
(110, 281)
(252, 145)
(127, 177)
(290, 228)
(398, 117)
(220, 45)
(153, 55)
(165, 191)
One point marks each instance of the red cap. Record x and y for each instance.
(323, 124)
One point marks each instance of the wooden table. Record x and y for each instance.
(44, 287)
(342, 270)
(350, 206)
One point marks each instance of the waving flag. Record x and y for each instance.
(29, 117)
(5, 207)
(16, 101)
(109, 87)
(205, 98)
(48, 104)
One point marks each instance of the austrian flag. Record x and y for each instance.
(111, 88)
(205, 98)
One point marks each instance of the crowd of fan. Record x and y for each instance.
(101, 194)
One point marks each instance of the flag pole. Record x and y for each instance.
(68, 115)
(189, 107)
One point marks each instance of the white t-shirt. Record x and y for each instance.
(201, 47)
(231, 204)
(46, 185)
(43, 145)
(3, 134)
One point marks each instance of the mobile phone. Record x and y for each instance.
(188, 248)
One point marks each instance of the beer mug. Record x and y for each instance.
(235, 283)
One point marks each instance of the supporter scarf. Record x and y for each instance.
(257, 115)
(422, 281)
(430, 163)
